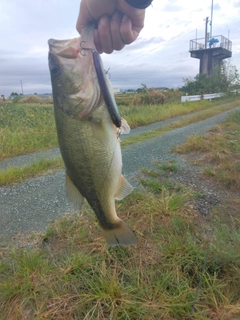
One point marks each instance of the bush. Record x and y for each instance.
(154, 96)
(47, 100)
(31, 99)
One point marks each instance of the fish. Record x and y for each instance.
(88, 127)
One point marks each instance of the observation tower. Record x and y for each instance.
(210, 50)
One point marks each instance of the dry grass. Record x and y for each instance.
(69, 272)
(35, 100)
(219, 151)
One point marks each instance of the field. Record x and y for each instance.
(26, 128)
(185, 266)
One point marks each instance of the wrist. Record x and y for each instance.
(139, 4)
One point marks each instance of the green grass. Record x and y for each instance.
(26, 128)
(11, 121)
(146, 114)
(17, 174)
(69, 272)
(189, 119)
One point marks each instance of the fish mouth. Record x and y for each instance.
(68, 49)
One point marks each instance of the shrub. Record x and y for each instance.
(31, 99)
(154, 96)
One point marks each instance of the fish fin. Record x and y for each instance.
(124, 188)
(120, 235)
(73, 194)
(125, 128)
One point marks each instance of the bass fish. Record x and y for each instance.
(88, 125)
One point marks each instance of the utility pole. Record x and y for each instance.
(211, 24)
(206, 40)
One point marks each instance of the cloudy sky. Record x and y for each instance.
(159, 57)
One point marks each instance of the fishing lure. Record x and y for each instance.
(104, 86)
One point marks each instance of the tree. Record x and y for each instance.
(13, 94)
(224, 79)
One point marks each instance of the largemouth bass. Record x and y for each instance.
(87, 136)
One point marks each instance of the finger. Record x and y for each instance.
(115, 23)
(105, 34)
(92, 10)
(128, 33)
(97, 42)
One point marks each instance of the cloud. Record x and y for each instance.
(159, 57)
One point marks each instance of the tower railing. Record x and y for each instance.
(214, 42)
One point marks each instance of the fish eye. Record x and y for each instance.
(55, 69)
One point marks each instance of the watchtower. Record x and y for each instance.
(211, 50)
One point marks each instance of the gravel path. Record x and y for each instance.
(34, 203)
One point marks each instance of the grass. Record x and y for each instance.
(146, 114)
(200, 116)
(17, 174)
(220, 152)
(70, 273)
(26, 128)
(12, 120)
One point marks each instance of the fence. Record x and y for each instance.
(201, 97)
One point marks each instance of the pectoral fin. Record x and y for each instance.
(73, 195)
(124, 189)
(125, 128)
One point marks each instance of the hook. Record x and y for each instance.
(107, 73)
(83, 48)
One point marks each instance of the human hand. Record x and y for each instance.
(118, 23)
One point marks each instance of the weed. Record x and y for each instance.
(74, 275)
(221, 151)
(17, 174)
(25, 129)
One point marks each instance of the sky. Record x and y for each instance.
(158, 58)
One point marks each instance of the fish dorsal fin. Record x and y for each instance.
(73, 195)
(124, 189)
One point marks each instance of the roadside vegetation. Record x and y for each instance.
(41, 167)
(219, 153)
(185, 266)
(26, 128)
(30, 127)
(188, 119)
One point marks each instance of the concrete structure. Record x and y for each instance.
(210, 52)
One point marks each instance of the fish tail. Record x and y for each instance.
(119, 235)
